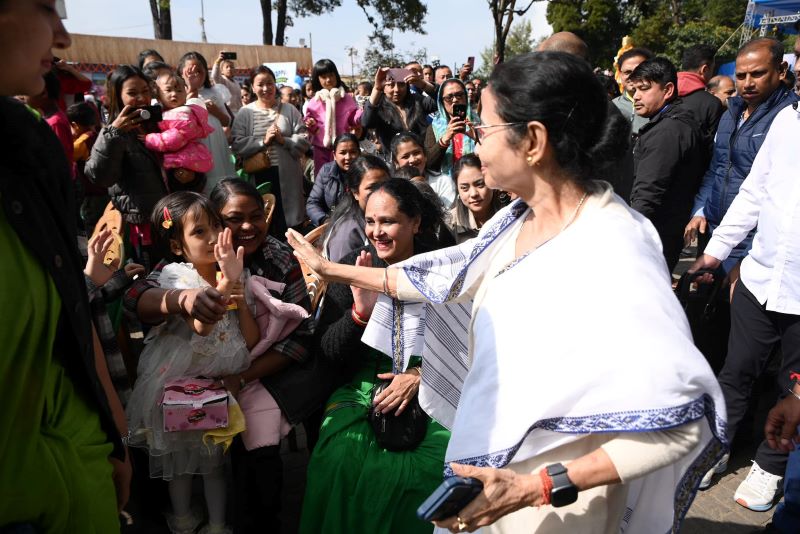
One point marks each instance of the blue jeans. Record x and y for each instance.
(787, 514)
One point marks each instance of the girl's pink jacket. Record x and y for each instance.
(181, 130)
(348, 114)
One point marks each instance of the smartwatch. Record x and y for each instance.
(564, 492)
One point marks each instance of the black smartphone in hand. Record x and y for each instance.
(149, 114)
(449, 498)
(228, 56)
(460, 111)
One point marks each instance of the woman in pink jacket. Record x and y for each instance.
(331, 112)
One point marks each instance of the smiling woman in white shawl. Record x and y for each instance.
(552, 345)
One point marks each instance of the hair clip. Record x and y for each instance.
(167, 222)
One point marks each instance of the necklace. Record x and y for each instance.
(525, 255)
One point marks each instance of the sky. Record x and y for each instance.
(456, 29)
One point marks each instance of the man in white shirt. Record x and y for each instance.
(765, 306)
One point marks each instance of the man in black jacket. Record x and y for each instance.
(668, 157)
(698, 67)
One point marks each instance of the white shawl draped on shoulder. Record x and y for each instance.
(583, 335)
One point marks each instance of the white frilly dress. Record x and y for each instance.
(172, 350)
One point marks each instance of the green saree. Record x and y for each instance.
(55, 471)
(356, 486)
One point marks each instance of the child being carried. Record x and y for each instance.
(184, 123)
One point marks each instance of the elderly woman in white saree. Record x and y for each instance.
(552, 344)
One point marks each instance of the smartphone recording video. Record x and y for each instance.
(460, 111)
(149, 114)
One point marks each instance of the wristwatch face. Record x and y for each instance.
(564, 495)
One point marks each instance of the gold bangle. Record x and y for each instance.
(386, 281)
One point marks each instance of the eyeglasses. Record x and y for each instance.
(480, 135)
(454, 96)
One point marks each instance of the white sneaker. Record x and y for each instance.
(718, 469)
(215, 529)
(186, 524)
(758, 490)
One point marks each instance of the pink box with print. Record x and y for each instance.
(191, 404)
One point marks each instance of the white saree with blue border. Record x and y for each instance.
(583, 335)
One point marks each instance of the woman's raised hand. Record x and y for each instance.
(230, 263)
(126, 120)
(399, 393)
(380, 78)
(305, 252)
(455, 126)
(364, 300)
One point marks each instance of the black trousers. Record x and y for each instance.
(754, 333)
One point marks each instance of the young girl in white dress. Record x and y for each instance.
(182, 348)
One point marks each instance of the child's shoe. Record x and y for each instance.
(186, 524)
(215, 529)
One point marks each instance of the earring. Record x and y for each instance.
(530, 161)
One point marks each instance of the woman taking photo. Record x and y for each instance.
(330, 184)
(450, 136)
(392, 108)
(345, 232)
(476, 203)
(121, 162)
(332, 112)
(354, 484)
(193, 68)
(557, 456)
(269, 126)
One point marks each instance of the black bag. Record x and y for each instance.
(397, 433)
(708, 311)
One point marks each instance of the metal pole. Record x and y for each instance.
(203, 23)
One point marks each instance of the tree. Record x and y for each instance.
(601, 23)
(520, 41)
(503, 12)
(384, 15)
(266, 14)
(378, 57)
(162, 19)
(665, 27)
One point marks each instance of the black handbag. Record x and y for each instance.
(397, 433)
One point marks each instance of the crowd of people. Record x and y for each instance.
(449, 221)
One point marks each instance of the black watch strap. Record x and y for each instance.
(564, 492)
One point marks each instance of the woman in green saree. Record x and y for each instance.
(354, 485)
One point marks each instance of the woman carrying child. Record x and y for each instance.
(184, 124)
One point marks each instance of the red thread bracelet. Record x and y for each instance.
(547, 486)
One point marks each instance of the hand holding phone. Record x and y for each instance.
(399, 75)
(449, 498)
(460, 111)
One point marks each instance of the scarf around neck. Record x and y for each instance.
(329, 98)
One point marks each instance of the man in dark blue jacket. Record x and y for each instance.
(760, 70)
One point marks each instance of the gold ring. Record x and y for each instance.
(462, 525)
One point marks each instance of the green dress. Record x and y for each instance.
(55, 470)
(356, 486)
